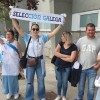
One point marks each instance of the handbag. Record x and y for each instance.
(53, 60)
(23, 59)
(32, 62)
(97, 81)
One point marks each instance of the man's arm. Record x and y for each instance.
(97, 66)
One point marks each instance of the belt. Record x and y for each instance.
(39, 57)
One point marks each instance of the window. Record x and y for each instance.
(80, 20)
(88, 18)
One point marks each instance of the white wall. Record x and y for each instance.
(44, 6)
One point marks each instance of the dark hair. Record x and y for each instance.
(36, 25)
(11, 31)
(90, 25)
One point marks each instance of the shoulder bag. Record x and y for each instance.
(53, 60)
(23, 59)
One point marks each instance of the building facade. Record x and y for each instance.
(79, 13)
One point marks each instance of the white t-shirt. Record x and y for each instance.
(10, 60)
(88, 51)
(36, 47)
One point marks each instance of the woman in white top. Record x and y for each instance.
(35, 49)
(11, 52)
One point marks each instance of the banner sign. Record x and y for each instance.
(35, 16)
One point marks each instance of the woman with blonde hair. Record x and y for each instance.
(66, 53)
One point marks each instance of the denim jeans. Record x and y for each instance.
(90, 75)
(98, 94)
(62, 80)
(10, 84)
(30, 73)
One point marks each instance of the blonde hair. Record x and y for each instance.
(68, 37)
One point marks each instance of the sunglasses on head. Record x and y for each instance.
(37, 29)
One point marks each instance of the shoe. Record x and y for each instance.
(77, 98)
(8, 96)
(43, 99)
(58, 98)
(64, 98)
(16, 96)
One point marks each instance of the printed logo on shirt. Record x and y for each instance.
(89, 47)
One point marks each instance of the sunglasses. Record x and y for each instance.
(35, 29)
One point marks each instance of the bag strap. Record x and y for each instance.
(12, 46)
(27, 47)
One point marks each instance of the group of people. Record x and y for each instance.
(86, 51)
(11, 54)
